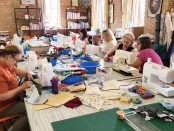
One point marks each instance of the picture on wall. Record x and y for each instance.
(154, 7)
(75, 2)
(111, 13)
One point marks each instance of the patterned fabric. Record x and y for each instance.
(162, 30)
(169, 29)
(97, 102)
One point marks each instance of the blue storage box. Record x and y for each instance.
(90, 66)
(87, 58)
(65, 51)
(26, 49)
(53, 62)
(55, 38)
(72, 79)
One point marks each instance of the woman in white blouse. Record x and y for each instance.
(108, 41)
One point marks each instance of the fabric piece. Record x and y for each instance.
(160, 50)
(60, 99)
(149, 53)
(167, 105)
(162, 30)
(77, 88)
(169, 29)
(97, 102)
(93, 89)
(8, 81)
(170, 50)
(73, 103)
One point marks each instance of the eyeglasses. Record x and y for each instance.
(15, 58)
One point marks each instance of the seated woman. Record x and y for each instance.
(144, 46)
(108, 42)
(83, 36)
(127, 41)
(9, 89)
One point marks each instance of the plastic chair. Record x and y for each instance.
(8, 118)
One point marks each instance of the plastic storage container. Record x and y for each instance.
(87, 58)
(65, 51)
(53, 62)
(90, 66)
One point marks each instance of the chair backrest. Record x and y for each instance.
(7, 118)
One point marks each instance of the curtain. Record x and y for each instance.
(59, 14)
(127, 14)
(100, 14)
(41, 5)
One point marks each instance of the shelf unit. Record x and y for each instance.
(28, 21)
(78, 18)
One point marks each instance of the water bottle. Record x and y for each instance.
(54, 83)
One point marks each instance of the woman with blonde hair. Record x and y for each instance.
(126, 44)
(108, 41)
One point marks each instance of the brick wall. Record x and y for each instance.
(7, 21)
(64, 4)
(149, 23)
(117, 15)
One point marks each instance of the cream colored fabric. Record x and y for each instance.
(77, 88)
(169, 29)
(93, 89)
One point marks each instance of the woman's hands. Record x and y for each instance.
(105, 58)
(29, 76)
(26, 84)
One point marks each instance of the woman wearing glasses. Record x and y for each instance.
(144, 46)
(9, 89)
(126, 44)
(108, 42)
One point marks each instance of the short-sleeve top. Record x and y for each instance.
(8, 81)
(149, 53)
(130, 48)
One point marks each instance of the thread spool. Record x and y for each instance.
(120, 114)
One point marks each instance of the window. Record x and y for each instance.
(138, 13)
(99, 13)
(52, 13)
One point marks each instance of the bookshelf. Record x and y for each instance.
(78, 18)
(28, 21)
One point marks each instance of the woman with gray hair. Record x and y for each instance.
(126, 44)
(108, 41)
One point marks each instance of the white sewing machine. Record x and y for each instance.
(119, 62)
(46, 74)
(157, 78)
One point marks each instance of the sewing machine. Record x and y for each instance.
(46, 74)
(120, 59)
(32, 62)
(157, 78)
